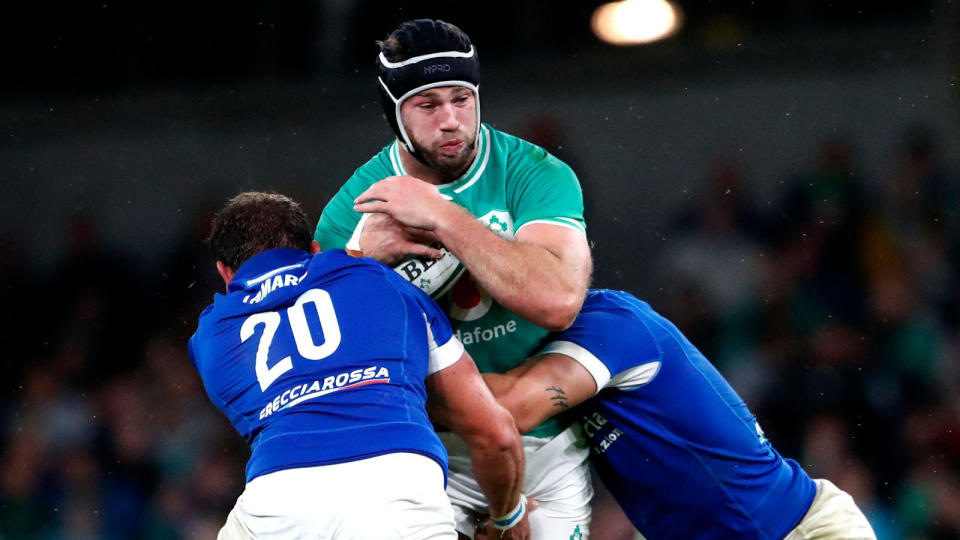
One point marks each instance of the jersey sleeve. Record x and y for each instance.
(191, 353)
(443, 354)
(545, 190)
(195, 339)
(610, 339)
(445, 348)
(338, 219)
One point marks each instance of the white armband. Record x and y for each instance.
(513, 517)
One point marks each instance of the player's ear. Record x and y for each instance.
(225, 272)
(314, 247)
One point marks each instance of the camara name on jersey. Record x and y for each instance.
(269, 283)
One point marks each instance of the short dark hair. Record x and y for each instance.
(423, 36)
(253, 222)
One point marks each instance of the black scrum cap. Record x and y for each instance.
(435, 54)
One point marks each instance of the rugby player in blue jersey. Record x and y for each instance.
(323, 363)
(672, 441)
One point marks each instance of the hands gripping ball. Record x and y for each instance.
(432, 276)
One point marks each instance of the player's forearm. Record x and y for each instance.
(498, 462)
(527, 279)
(525, 404)
(461, 401)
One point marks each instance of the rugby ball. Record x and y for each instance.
(432, 276)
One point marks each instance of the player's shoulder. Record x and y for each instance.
(618, 316)
(209, 314)
(338, 217)
(330, 265)
(376, 168)
(619, 306)
(613, 300)
(513, 146)
(206, 312)
(340, 207)
(206, 335)
(525, 159)
(193, 344)
(610, 337)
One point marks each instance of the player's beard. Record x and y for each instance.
(447, 168)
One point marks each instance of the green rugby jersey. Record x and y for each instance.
(511, 183)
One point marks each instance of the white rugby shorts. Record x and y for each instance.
(557, 477)
(393, 496)
(832, 515)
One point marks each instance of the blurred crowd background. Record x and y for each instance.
(782, 181)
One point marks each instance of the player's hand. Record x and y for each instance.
(409, 200)
(519, 532)
(389, 241)
(486, 531)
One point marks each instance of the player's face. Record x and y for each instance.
(442, 124)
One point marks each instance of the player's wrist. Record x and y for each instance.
(512, 518)
(451, 219)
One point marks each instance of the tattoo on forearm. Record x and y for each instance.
(558, 397)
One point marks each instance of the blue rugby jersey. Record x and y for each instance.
(671, 440)
(322, 359)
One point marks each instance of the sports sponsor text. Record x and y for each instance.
(479, 335)
(342, 381)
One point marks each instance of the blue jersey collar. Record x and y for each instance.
(257, 267)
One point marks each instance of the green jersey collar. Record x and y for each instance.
(467, 179)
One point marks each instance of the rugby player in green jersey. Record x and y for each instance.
(511, 213)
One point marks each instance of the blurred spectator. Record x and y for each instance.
(23, 513)
(714, 256)
(824, 211)
(100, 312)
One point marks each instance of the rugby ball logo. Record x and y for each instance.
(432, 276)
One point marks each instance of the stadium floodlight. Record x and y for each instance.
(635, 22)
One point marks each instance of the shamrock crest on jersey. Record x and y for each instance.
(498, 221)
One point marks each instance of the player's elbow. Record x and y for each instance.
(558, 322)
(561, 311)
(498, 436)
(551, 307)
(506, 438)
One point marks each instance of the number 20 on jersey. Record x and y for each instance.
(297, 317)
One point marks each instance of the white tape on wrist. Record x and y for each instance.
(354, 243)
(513, 517)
